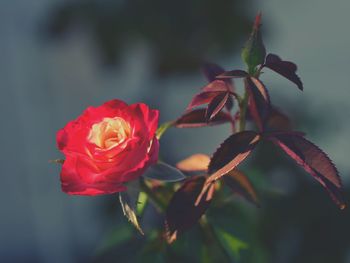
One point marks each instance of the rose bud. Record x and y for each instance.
(106, 147)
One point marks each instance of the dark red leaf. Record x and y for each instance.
(229, 155)
(241, 185)
(209, 92)
(259, 101)
(196, 118)
(231, 151)
(278, 121)
(285, 68)
(211, 70)
(233, 74)
(216, 105)
(202, 98)
(313, 160)
(216, 86)
(182, 213)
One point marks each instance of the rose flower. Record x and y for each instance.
(106, 147)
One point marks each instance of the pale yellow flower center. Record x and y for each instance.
(109, 132)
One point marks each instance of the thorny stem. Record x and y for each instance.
(243, 103)
(243, 108)
(232, 122)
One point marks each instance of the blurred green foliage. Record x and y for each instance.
(181, 34)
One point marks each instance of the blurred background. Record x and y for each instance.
(58, 57)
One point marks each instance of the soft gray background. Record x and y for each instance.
(45, 85)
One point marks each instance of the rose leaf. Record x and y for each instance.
(216, 86)
(285, 68)
(164, 172)
(211, 71)
(196, 119)
(216, 105)
(182, 213)
(208, 92)
(128, 201)
(202, 98)
(229, 155)
(232, 151)
(278, 121)
(194, 163)
(233, 74)
(240, 184)
(313, 160)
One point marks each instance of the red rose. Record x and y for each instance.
(107, 146)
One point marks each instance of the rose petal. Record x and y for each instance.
(73, 184)
(91, 169)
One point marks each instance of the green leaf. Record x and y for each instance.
(254, 51)
(162, 129)
(141, 202)
(164, 172)
(232, 244)
(128, 201)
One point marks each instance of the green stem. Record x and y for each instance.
(243, 105)
(163, 128)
